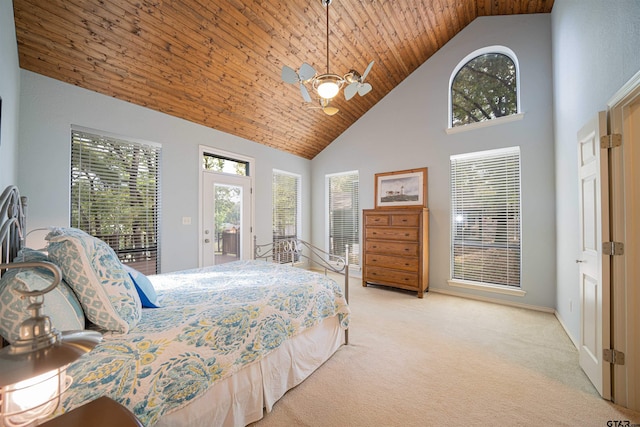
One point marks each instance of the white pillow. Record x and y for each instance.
(94, 272)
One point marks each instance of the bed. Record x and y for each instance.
(215, 346)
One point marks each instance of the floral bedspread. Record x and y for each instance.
(211, 323)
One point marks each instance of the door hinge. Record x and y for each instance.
(612, 248)
(613, 356)
(611, 141)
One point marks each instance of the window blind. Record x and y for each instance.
(485, 217)
(115, 196)
(286, 205)
(286, 209)
(344, 215)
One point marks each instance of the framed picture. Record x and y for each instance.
(401, 189)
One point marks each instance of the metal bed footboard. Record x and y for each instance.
(292, 251)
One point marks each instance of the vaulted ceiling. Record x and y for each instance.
(218, 62)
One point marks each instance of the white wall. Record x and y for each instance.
(9, 92)
(596, 50)
(48, 110)
(407, 130)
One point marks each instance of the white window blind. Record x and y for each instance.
(344, 215)
(485, 217)
(286, 205)
(286, 210)
(115, 196)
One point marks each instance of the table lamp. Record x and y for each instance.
(33, 368)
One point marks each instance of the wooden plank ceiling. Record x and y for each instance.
(218, 62)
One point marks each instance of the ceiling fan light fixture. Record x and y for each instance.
(328, 85)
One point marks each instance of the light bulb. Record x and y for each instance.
(33, 398)
(328, 89)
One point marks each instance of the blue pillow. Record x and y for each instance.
(144, 287)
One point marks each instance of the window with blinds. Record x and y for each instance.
(115, 196)
(286, 205)
(286, 209)
(344, 215)
(485, 217)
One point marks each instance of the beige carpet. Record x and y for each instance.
(446, 361)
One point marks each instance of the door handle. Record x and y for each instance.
(207, 240)
(579, 261)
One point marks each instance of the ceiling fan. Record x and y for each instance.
(327, 85)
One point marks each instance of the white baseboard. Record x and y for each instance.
(573, 340)
(509, 303)
(493, 300)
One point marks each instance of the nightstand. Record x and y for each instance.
(102, 412)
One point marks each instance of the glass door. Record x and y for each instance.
(226, 218)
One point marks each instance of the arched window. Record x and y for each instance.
(484, 86)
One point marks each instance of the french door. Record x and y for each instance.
(226, 218)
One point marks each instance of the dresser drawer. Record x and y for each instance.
(377, 219)
(392, 248)
(383, 275)
(396, 262)
(408, 234)
(408, 220)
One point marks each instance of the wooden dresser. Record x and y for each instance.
(396, 248)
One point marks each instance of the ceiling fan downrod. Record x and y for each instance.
(326, 4)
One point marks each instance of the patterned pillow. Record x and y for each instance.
(95, 274)
(61, 305)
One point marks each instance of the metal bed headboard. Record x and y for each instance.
(13, 223)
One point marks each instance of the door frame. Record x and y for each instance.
(625, 272)
(202, 149)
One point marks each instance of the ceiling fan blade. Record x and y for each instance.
(350, 90)
(364, 89)
(289, 75)
(330, 111)
(305, 93)
(364, 75)
(306, 72)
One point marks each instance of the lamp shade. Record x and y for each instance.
(328, 85)
(328, 89)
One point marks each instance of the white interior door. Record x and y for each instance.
(226, 218)
(593, 272)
